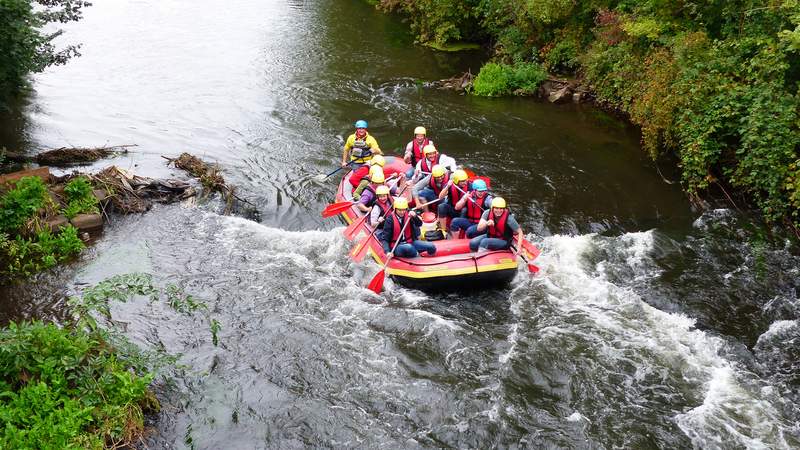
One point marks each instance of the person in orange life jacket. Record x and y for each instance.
(447, 208)
(432, 158)
(472, 208)
(499, 227)
(409, 244)
(369, 195)
(360, 176)
(382, 207)
(431, 186)
(360, 146)
(414, 149)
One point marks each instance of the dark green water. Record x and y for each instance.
(650, 326)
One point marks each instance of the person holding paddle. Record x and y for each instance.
(456, 188)
(499, 226)
(414, 149)
(382, 207)
(360, 146)
(432, 158)
(472, 207)
(360, 176)
(401, 233)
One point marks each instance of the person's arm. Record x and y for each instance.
(360, 189)
(484, 222)
(373, 145)
(348, 145)
(420, 186)
(462, 202)
(409, 151)
(445, 190)
(366, 197)
(512, 223)
(375, 216)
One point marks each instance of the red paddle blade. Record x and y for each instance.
(531, 249)
(360, 250)
(376, 284)
(352, 230)
(336, 208)
(533, 268)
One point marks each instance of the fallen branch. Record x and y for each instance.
(66, 156)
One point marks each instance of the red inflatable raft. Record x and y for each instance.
(454, 267)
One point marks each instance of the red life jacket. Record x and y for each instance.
(399, 223)
(416, 153)
(474, 211)
(386, 207)
(499, 230)
(427, 166)
(454, 195)
(438, 189)
(358, 175)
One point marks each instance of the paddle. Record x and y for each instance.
(360, 250)
(532, 268)
(336, 208)
(322, 177)
(376, 284)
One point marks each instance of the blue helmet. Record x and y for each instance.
(479, 185)
(361, 124)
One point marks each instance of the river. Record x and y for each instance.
(650, 325)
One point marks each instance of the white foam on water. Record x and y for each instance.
(735, 408)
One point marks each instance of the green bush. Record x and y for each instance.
(22, 257)
(21, 203)
(502, 79)
(79, 198)
(67, 388)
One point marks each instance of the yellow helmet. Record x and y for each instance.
(378, 160)
(377, 177)
(437, 171)
(420, 130)
(428, 149)
(498, 202)
(459, 176)
(382, 190)
(400, 203)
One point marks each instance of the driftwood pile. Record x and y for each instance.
(70, 156)
(210, 178)
(129, 193)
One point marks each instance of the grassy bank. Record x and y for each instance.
(83, 385)
(715, 83)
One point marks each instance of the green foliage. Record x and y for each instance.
(79, 198)
(502, 79)
(66, 388)
(715, 82)
(24, 46)
(21, 203)
(26, 256)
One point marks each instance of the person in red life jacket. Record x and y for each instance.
(414, 149)
(499, 227)
(455, 189)
(370, 194)
(382, 207)
(360, 146)
(432, 158)
(432, 186)
(402, 228)
(472, 207)
(361, 175)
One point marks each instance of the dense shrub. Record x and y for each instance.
(21, 203)
(502, 79)
(715, 82)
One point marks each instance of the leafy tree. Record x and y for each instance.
(24, 45)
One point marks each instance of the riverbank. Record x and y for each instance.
(715, 88)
